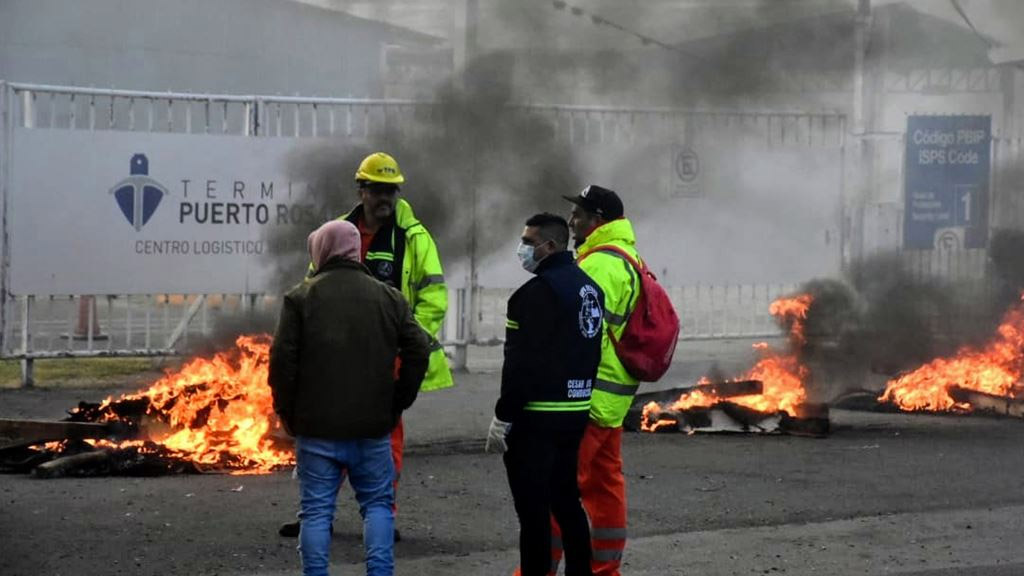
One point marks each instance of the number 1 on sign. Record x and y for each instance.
(966, 199)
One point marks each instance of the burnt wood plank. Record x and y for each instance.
(982, 402)
(725, 389)
(16, 433)
(69, 465)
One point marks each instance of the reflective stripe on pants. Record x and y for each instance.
(603, 492)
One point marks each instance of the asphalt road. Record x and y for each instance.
(884, 494)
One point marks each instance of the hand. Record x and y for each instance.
(496, 436)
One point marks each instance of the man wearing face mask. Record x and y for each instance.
(552, 351)
(399, 251)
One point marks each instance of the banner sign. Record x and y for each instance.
(144, 213)
(947, 182)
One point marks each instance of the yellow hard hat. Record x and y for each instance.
(380, 167)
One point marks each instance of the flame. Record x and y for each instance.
(995, 369)
(793, 313)
(781, 374)
(650, 413)
(217, 412)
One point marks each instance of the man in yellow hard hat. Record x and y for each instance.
(399, 251)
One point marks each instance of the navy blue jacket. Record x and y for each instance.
(552, 348)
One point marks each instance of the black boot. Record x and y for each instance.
(290, 529)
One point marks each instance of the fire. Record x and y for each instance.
(994, 369)
(782, 375)
(793, 312)
(216, 413)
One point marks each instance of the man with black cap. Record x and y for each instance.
(598, 224)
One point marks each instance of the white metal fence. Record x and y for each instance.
(705, 311)
(84, 325)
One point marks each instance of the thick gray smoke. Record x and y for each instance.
(1006, 254)
(882, 319)
(228, 327)
(474, 145)
(470, 144)
(476, 156)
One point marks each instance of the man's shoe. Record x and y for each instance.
(290, 529)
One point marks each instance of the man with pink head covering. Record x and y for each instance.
(332, 377)
(335, 239)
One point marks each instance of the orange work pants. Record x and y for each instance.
(397, 446)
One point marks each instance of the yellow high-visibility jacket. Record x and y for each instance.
(422, 285)
(614, 388)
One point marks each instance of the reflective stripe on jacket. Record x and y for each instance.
(614, 388)
(424, 288)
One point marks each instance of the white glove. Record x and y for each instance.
(496, 436)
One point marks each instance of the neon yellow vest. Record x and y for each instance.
(614, 388)
(424, 289)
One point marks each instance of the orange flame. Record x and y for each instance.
(995, 369)
(782, 375)
(649, 409)
(793, 312)
(217, 412)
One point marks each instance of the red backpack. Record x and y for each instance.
(649, 338)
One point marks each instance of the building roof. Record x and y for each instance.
(905, 37)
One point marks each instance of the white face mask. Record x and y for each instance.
(525, 254)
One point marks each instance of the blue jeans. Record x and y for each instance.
(322, 466)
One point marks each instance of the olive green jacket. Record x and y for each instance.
(332, 361)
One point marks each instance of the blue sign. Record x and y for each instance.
(947, 181)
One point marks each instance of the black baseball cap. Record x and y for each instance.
(601, 201)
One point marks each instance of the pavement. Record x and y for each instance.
(957, 542)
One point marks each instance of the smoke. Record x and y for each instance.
(882, 319)
(1006, 255)
(659, 55)
(476, 157)
(476, 161)
(471, 156)
(229, 325)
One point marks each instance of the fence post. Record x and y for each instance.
(461, 357)
(5, 147)
(27, 367)
(88, 326)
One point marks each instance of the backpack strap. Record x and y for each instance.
(621, 253)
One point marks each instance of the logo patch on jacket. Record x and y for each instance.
(590, 312)
(384, 270)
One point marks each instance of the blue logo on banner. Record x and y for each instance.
(138, 195)
(947, 181)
